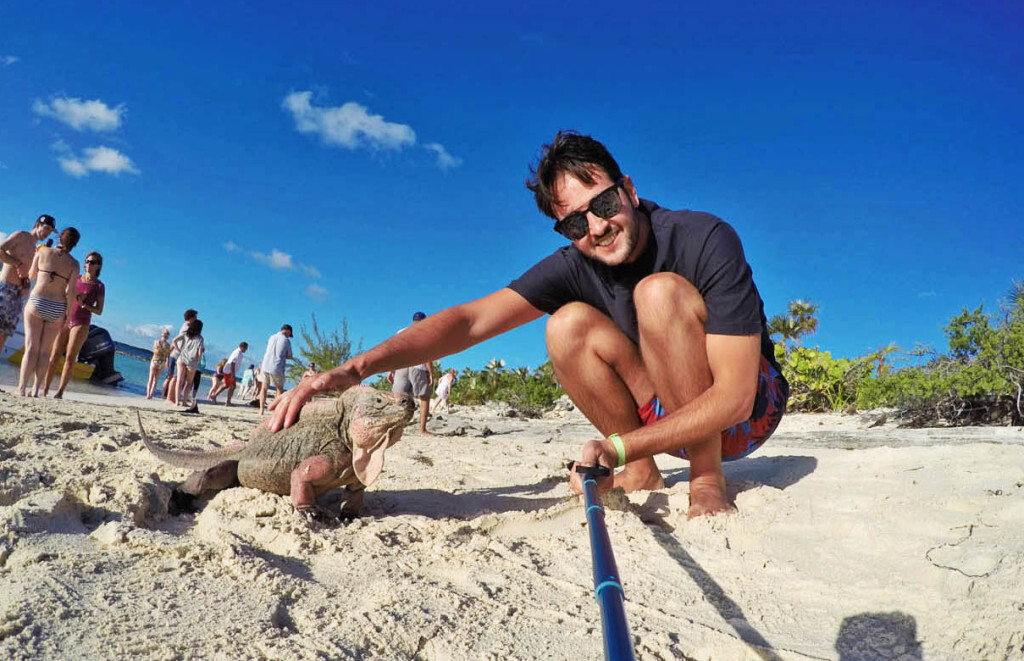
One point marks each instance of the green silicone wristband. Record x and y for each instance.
(620, 448)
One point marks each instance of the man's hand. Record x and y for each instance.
(286, 407)
(595, 453)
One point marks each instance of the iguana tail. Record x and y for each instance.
(184, 458)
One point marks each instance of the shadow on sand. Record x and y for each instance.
(778, 472)
(877, 636)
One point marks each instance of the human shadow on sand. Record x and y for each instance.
(778, 472)
(440, 504)
(871, 636)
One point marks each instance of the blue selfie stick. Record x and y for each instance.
(607, 586)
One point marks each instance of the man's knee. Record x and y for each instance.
(568, 326)
(662, 293)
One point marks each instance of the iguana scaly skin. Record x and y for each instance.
(336, 442)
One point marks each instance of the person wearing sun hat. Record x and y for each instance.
(16, 253)
(416, 381)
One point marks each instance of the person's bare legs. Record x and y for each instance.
(76, 339)
(424, 415)
(60, 345)
(171, 386)
(154, 378)
(600, 369)
(50, 331)
(33, 339)
(264, 387)
(671, 316)
(188, 391)
(231, 391)
(181, 381)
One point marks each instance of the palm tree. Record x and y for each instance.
(797, 322)
(784, 326)
(803, 313)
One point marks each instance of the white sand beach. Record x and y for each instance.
(851, 541)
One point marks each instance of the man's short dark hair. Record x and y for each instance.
(243, 346)
(190, 314)
(572, 153)
(287, 327)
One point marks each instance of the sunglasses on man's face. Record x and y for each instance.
(605, 204)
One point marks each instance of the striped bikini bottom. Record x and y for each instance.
(48, 310)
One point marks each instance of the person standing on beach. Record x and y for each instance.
(16, 253)
(56, 274)
(248, 376)
(230, 369)
(278, 353)
(657, 331)
(170, 390)
(161, 349)
(89, 298)
(190, 347)
(416, 381)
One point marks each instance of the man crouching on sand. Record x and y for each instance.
(657, 331)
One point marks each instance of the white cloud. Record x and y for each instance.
(147, 331)
(3, 236)
(8, 60)
(276, 259)
(317, 292)
(445, 161)
(93, 115)
(97, 159)
(311, 271)
(350, 125)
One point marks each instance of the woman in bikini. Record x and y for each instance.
(89, 297)
(161, 349)
(56, 273)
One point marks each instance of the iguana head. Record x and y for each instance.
(375, 421)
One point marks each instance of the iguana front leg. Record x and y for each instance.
(312, 472)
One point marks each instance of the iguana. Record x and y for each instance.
(336, 442)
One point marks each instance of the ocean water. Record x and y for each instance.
(131, 362)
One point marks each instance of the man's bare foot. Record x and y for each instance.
(58, 395)
(707, 496)
(424, 432)
(640, 476)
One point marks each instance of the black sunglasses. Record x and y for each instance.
(605, 204)
(92, 261)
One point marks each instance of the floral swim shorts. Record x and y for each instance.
(11, 305)
(740, 440)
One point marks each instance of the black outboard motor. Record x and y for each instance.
(98, 350)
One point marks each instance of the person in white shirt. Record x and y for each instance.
(444, 391)
(278, 353)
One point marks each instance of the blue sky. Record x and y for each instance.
(264, 161)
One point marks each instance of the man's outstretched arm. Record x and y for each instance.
(444, 333)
